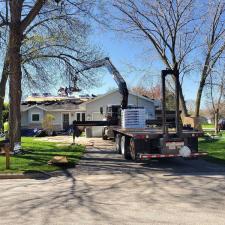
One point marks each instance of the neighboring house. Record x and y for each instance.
(114, 98)
(64, 113)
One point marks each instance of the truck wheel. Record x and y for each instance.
(133, 151)
(118, 143)
(104, 137)
(125, 147)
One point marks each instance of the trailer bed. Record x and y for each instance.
(154, 132)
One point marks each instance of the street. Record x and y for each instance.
(105, 189)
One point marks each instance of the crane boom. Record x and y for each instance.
(116, 76)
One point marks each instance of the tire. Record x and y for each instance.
(125, 151)
(104, 137)
(133, 150)
(118, 143)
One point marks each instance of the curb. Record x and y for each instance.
(36, 175)
(32, 175)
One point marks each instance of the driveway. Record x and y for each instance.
(105, 189)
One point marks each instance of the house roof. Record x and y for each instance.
(116, 90)
(58, 106)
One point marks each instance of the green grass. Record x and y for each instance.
(208, 126)
(215, 149)
(38, 153)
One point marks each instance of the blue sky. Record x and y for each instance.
(134, 63)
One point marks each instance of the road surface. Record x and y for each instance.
(105, 189)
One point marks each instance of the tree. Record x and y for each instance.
(3, 82)
(22, 15)
(215, 93)
(47, 123)
(214, 46)
(4, 22)
(154, 92)
(49, 42)
(169, 26)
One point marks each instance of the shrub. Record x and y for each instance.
(47, 123)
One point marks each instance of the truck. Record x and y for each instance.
(150, 142)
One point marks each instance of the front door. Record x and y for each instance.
(66, 121)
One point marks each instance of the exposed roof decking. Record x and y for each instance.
(55, 107)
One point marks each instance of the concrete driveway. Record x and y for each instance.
(105, 189)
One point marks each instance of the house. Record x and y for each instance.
(66, 110)
(114, 98)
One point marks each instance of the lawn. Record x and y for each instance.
(215, 149)
(38, 153)
(208, 126)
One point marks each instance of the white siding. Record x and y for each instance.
(35, 110)
(24, 119)
(93, 108)
(57, 116)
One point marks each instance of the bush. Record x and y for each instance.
(47, 123)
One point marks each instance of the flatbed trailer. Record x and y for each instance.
(150, 143)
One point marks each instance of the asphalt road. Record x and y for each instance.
(105, 189)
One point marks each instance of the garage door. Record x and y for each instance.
(97, 131)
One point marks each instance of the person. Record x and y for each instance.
(76, 132)
(6, 129)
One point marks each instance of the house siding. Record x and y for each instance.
(26, 117)
(93, 108)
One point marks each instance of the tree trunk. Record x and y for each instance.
(4, 78)
(216, 121)
(182, 101)
(15, 76)
(199, 96)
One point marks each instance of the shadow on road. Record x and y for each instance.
(123, 186)
(99, 159)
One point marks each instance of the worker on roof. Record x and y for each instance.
(6, 129)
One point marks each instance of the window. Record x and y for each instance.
(80, 116)
(35, 117)
(83, 116)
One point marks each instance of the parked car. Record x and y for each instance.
(221, 124)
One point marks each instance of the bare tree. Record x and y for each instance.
(4, 22)
(214, 47)
(168, 25)
(215, 93)
(153, 92)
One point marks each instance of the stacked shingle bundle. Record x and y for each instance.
(133, 118)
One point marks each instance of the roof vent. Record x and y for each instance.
(35, 94)
(46, 94)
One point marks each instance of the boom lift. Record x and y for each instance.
(116, 76)
(112, 111)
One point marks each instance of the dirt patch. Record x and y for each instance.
(95, 142)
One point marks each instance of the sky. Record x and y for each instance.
(135, 63)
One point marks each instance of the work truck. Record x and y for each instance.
(157, 139)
